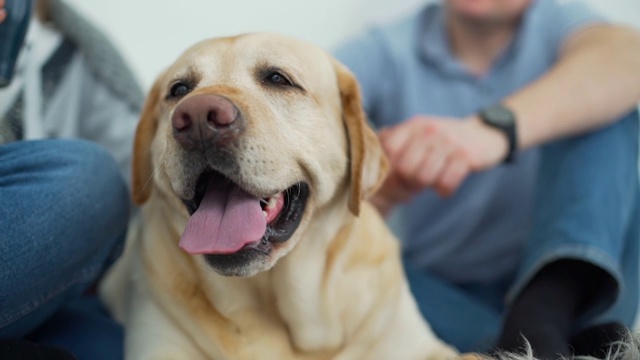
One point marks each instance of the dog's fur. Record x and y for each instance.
(627, 349)
(335, 289)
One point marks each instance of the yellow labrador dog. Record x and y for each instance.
(253, 160)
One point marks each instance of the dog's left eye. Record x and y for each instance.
(276, 78)
(179, 90)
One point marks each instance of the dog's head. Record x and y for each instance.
(248, 135)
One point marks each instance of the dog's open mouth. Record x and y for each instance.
(225, 219)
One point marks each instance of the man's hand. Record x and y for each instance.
(438, 153)
(3, 11)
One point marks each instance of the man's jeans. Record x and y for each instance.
(63, 218)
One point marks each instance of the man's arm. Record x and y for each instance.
(595, 81)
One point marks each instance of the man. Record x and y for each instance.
(63, 202)
(514, 186)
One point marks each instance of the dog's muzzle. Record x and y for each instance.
(229, 225)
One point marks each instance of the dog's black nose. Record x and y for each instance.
(204, 120)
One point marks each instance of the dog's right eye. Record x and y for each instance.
(276, 78)
(179, 90)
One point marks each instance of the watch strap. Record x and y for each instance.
(503, 119)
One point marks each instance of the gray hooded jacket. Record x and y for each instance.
(71, 82)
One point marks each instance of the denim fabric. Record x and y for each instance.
(460, 316)
(587, 208)
(63, 217)
(84, 328)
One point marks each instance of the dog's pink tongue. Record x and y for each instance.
(228, 219)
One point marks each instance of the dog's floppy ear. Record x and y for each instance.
(368, 163)
(142, 167)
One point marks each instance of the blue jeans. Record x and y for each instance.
(587, 208)
(63, 217)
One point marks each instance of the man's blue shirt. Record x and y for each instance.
(406, 69)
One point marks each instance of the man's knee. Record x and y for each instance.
(71, 192)
(91, 178)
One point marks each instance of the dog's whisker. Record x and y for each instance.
(291, 199)
(151, 177)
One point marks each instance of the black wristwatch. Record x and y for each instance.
(503, 119)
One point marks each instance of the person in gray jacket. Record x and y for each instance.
(67, 121)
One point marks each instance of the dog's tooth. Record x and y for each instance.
(264, 213)
(272, 202)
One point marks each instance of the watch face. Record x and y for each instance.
(499, 116)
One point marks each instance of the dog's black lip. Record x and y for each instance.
(278, 231)
(295, 201)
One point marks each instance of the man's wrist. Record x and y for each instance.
(496, 142)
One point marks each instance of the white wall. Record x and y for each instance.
(151, 33)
